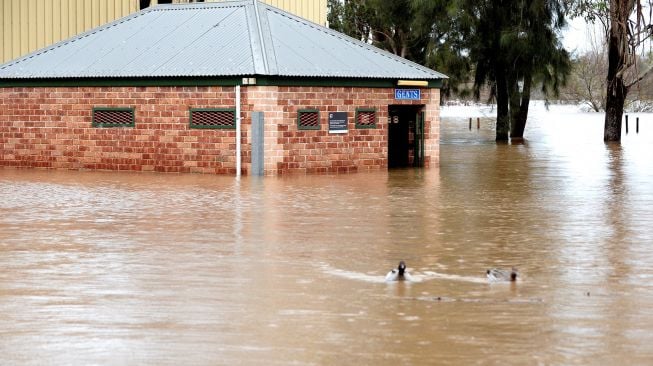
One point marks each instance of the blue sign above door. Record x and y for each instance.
(408, 94)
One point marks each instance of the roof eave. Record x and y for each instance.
(261, 80)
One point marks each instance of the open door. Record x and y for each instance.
(397, 139)
(405, 136)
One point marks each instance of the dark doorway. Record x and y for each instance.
(405, 136)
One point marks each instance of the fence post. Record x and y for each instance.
(626, 124)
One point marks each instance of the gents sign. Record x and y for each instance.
(338, 122)
(408, 94)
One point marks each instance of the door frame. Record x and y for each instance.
(406, 125)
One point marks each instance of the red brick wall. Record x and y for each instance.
(52, 128)
(291, 150)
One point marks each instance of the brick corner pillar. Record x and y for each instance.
(432, 136)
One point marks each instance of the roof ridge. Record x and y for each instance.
(213, 4)
(259, 32)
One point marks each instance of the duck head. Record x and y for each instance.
(401, 268)
(513, 274)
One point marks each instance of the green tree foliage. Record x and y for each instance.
(446, 51)
(423, 31)
(351, 17)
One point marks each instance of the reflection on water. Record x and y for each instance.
(116, 268)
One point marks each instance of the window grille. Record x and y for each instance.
(365, 118)
(113, 117)
(308, 119)
(213, 118)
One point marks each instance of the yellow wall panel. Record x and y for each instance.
(28, 25)
(95, 12)
(110, 12)
(85, 16)
(6, 35)
(40, 23)
(14, 24)
(22, 23)
(32, 24)
(89, 11)
(47, 21)
(64, 20)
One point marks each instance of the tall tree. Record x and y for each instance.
(628, 27)
(487, 21)
(540, 58)
(514, 45)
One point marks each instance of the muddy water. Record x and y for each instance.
(130, 269)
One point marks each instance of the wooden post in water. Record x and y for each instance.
(626, 124)
(470, 123)
(478, 123)
(637, 125)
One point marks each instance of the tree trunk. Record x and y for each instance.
(614, 109)
(503, 117)
(513, 90)
(617, 57)
(519, 121)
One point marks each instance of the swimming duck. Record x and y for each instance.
(501, 275)
(398, 274)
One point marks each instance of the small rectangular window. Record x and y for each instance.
(365, 118)
(217, 118)
(113, 117)
(308, 119)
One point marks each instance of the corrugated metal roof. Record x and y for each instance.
(234, 38)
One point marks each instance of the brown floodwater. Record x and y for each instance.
(130, 269)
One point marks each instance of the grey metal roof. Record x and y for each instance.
(232, 38)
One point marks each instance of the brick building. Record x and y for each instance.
(221, 88)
